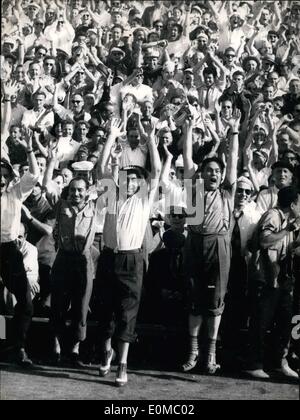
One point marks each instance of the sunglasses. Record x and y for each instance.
(177, 216)
(242, 190)
(230, 55)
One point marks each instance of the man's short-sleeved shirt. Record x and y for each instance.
(11, 205)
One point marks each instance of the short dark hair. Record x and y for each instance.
(210, 70)
(118, 26)
(212, 159)
(287, 196)
(80, 178)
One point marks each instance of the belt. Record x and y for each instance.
(117, 251)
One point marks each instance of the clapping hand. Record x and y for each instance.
(235, 122)
(116, 151)
(116, 128)
(9, 89)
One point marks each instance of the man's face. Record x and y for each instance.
(278, 105)
(48, 65)
(284, 142)
(167, 75)
(133, 138)
(7, 48)
(21, 237)
(68, 130)
(133, 184)
(295, 87)
(35, 71)
(259, 136)
(6, 177)
(173, 33)
(272, 38)
(15, 134)
(23, 170)
(267, 65)
(234, 21)
(158, 27)
(86, 19)
(39, 101)
(40, 54)
(36, 192)
(230, 56)
(212, 176)
(50, 16)
(116, 18)
(108, 112)
(41, 162)
(82, 130)
(116, 34)
(268, 93)
(77, 192)
(251, 65)
(209, 79)
(77, 103)
(67, 176)
(273, 78)
(99, 137)
(265, 18)
(177, 218)
(243, 195)
(152, 62)
(202, 44)
(205, 19)
(166, 139)
(226, 109)
(283, 177)
(147, 109)
(32, 12)
(238, 81)
(117, 56)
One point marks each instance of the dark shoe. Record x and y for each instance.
(23, 360)
(105, 365)
(191, 362)
(212, 367)
(121, 379)
(56, 359)
(75, 361)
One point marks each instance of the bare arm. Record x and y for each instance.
(189, 169)
(165, 180)
(115, 131)
(231, 170)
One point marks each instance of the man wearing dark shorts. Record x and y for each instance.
(120, 268)
(208, 249)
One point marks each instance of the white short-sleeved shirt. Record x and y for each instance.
(11, 205)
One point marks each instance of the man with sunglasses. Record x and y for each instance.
(244, 221)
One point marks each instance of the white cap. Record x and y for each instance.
(82, 166)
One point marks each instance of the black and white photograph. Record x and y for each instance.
(150, 202)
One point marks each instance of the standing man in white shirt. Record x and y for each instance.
(12, 269)
(120, 268)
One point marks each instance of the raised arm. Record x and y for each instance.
(165, 173)
(231, 170)
(9, 89)
(115, 131)
(155, 163)
(189, 168)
